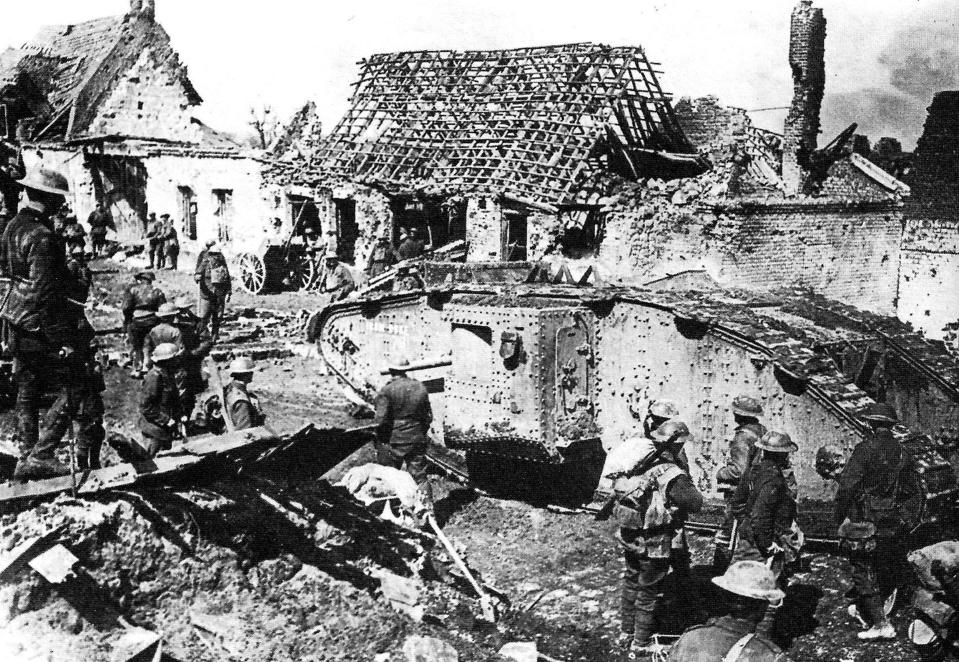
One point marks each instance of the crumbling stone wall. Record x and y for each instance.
(807, 59)
(149, 101)
(373, 217)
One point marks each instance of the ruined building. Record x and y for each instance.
(109, 103)
(929, 270)
(576, 153)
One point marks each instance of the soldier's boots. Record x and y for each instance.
(877, 615)
(32, 468)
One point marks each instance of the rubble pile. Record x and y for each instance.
(218, 574)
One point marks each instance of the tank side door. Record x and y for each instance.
(575, 414)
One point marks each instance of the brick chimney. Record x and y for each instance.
(142, 9)
(807, 59)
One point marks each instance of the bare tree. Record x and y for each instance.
(264, 124)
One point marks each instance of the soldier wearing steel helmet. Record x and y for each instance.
(239, 403)
(140, 304)
(652, 502)
(162, 418)
(42, 320)
(748, 587)
(746, 413)
(879, 490)
(766, 510)
(216, 288)
(403, 419)
(165, 331)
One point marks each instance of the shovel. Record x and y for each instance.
(486, 602)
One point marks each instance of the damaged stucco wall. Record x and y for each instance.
(250, 209)
(148, 101)
(374, 218)
(484, 219)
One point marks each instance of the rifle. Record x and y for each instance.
(603, 513)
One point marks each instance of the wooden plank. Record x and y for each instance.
(56, 564)
(165, 464)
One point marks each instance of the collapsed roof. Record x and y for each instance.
(78, 66)
(532, 122)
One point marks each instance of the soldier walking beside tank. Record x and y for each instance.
(748, 587)
(746, 413)
(337, 280)
(652, 502)
(241, 405)
(140, 304)
(216, 286)
(879, 501)
(766, 510)
(403, 419)
(42, 320)
(162, 418)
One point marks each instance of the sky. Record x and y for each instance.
(283, 53)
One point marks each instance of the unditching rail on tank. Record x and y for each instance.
(236, 449)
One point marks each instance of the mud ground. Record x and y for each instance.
(184, 558)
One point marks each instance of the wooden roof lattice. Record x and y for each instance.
(533, 122)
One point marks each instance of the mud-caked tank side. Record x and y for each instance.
(521, 380)
(645, 353)
(359, 339)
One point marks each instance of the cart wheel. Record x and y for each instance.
(307, 273)
(252, 273)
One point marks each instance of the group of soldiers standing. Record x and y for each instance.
(879, 500)
(46, 330)
(163, 242)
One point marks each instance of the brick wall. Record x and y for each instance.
(845, 246)
(807, 60)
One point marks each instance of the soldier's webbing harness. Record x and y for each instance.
(737, 650)
(607, 509)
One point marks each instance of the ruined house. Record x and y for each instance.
(489, 147)
(576, 152)
(109, 103)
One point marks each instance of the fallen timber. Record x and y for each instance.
(237, 449)
(547, 372)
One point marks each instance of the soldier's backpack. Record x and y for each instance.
(883, 508)
(219, 274)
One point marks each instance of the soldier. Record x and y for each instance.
(77, 265)
(652, 502)
(12, 171)
(382, 257)
(242, 406)
(766, 510)
(196, 347)
(99, 221)
(748, 587)
(161, 412)
(140, 303)
(403, 419)
(73, 234)
(935, 629)
(412, 247)
(337, 280)
(216, 286)
(42, 321)
(164, 332)
(658, 412)
(154, 237)
(746, 413)
(879, 488)
(171, 242)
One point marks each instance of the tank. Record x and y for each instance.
(528, 369)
